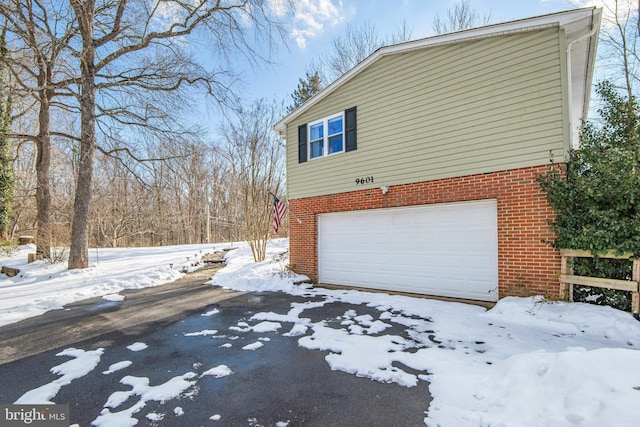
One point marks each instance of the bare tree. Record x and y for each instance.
(37, 36)
(352, 47)
(116, 33)
(402, 33)
(256, 155)
(120, 210)
(458, 18)
(25, 182)
(185, 187)
(619, 38)
(225, 208)
(24, 215)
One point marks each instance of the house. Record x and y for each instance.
(416, 170)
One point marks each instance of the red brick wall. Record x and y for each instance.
(526, 265)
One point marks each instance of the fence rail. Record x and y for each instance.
(567, 279)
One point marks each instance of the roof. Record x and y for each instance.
(581, 27)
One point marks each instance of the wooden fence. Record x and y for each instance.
(567, 279)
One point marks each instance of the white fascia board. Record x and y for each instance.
(529, 24)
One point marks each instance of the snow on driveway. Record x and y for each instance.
(41, 286)
(526, 362)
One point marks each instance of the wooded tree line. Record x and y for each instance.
(98, 92)
(164, 202)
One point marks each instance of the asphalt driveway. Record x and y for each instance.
(276, 384)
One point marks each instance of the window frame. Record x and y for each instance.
(325, 136)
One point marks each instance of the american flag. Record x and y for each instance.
(279, 209)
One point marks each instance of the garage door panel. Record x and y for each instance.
(447, 249)
(478, 266)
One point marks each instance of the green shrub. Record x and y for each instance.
(596, 197)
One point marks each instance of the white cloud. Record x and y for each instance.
(278, 7)
(310, 18)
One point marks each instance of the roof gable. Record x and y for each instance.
(581, 28)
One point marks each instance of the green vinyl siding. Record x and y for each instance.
(479, 106)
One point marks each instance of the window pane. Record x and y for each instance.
(335, 125)
(335, 144)
(317, 132)
(317, 149)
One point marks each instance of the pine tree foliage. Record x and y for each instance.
(307, 87)
(6, 171)
(597, 198)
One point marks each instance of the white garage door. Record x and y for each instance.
(445, 249)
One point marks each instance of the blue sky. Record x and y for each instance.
(316, 23)
(312, 37)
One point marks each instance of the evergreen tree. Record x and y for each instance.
(6, 171)
(597, 206)
(305, 90)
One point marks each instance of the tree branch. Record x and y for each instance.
(117, 22)
(187, 24)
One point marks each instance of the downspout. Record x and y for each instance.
(594, 29)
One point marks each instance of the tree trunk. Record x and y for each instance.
(43, 164)
(6, 168)
(79, 251)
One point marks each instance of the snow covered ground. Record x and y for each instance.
(526, 362)
(42, 286)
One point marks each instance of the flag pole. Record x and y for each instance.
(294, 215)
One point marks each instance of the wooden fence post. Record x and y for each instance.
(567, 279)
(635, 295)
(564, 270)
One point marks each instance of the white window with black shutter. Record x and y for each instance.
(330, 135)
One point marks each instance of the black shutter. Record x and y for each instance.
(351, 140)
(302, 143)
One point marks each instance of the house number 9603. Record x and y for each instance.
(364, 180)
